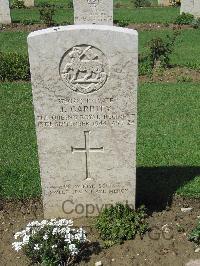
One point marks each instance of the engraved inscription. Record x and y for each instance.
(89, 188)
(93, 2)
(87, 151)
(87, 112)
(84, 69)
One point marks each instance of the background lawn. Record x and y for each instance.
(186, 52)
(133, 15)
(65, 3)
(19, 163)
(168, 141)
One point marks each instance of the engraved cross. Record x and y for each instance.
(87, 150)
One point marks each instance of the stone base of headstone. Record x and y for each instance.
(164, 3)
(84, 82)
(29, 3)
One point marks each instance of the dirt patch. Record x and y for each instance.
(157, 26)
(173, 75)
(164, 245)
(21, 27)
(151, 26)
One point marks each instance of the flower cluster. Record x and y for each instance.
(52, 237)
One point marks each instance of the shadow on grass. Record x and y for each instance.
(156, 186)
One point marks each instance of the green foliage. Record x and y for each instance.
(18, 4)
(13, 66)
(182, 79)
(194, 236)
(28, 22)
(161, 49)
(47, 12)
(122, 23)
(184, 19)
(145, 65)
(117, 5)
(196, 23)
(141, 3)
(119, 223)
(70, 4)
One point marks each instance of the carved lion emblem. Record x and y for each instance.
(84, 69)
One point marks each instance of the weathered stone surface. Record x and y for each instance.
(164, 2)
(84, 82)
(93, 12)
(191, 6)
(4, 12)
(29, 3)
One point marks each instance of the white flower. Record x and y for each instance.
(44, 222)
(34, 223)
(45, 237)
(36, 247)
(63, 230)
(72, 246)
(55, 231)
(17, 246)
(28, 229)
(77, 237)
(26, 239)
(17, 235)
(72, 237)
(70, 222)
(67, 240)
(33, 232)
(73, 249)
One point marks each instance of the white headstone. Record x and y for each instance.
(29, 3)
(191, 7)
(164, 2)
(93, 12)
(4, 12)
(84, 82)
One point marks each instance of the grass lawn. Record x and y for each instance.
(133, 15)
(184, 53)
(19, 164)
(64, 3)
(147, 15)
(168, 140)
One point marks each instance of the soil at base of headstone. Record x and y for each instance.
(172, 75)
(140, 27)
(166, 244)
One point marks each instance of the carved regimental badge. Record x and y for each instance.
(84, 68)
